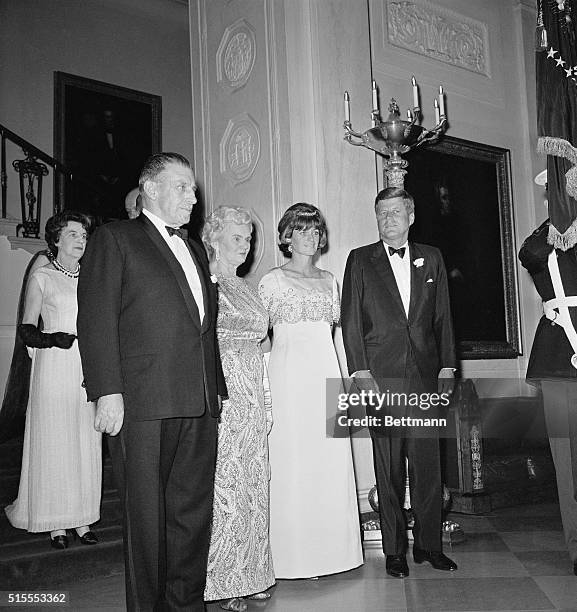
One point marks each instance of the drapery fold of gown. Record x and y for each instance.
(61, 475)
(314, 520)
(239, 560)
(13, 410)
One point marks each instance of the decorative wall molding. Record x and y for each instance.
(236, 55)
(8, 226)
(438, 33)
(275, 115)
(32, 245)
(240, 148)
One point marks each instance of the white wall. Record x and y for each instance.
(140, 44)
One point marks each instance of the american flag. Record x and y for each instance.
(556, 67)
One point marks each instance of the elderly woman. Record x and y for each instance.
(303, 304)
(60, 481)
(239, 563)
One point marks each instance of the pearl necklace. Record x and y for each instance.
(61, 268)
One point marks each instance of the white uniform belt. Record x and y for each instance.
(557, 309)
(569, 300)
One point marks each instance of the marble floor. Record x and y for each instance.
(513, 559)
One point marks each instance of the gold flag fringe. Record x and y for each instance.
(561, 148)
(563, 241)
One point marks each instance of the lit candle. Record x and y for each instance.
(441, 100)
(375, 98)
(437, 114)
(415, 92)
(347, 107)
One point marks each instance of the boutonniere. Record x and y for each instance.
(418, 262)
(213, 279)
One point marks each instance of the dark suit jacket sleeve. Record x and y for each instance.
(99, 302)
(352, 316)
(443, 325)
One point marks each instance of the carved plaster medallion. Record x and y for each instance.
(236, 55)
(240, 148)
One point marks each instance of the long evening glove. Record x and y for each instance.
(34, 338)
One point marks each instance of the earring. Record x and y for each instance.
(290, 248)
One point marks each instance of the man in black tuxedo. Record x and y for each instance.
(397, 333)
(146, 331)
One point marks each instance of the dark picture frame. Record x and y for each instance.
(463, 205)
(103, 133)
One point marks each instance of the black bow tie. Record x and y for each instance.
(178, 231)
(400, 251)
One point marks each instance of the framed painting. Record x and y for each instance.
(103, 133)
(463, 206)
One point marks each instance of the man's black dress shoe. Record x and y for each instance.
(87, 538)
(60, 542)
(396, 566)
(436, 558)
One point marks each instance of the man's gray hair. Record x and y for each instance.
(157, 163)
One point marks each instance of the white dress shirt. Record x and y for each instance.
(182, 254)
(402, 270)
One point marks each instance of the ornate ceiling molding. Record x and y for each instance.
(438, 33)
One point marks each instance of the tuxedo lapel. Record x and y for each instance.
(382, 265)
(205, 281)
(175, 267)
(416, 279)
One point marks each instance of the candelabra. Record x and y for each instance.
(396, 137)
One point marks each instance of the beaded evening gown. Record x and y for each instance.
(239, 561)
(314, 520)
(60, 480)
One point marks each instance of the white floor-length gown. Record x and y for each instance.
(60, 479)
(314, 520)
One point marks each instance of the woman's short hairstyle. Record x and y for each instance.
(396, 192)
(300, 216)
(214, 224)
(58, 222)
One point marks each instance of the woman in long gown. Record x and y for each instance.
(239, 561)
(60, 480)
(314, 521)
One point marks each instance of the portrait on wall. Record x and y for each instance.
(462, 197)
(103, 135)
